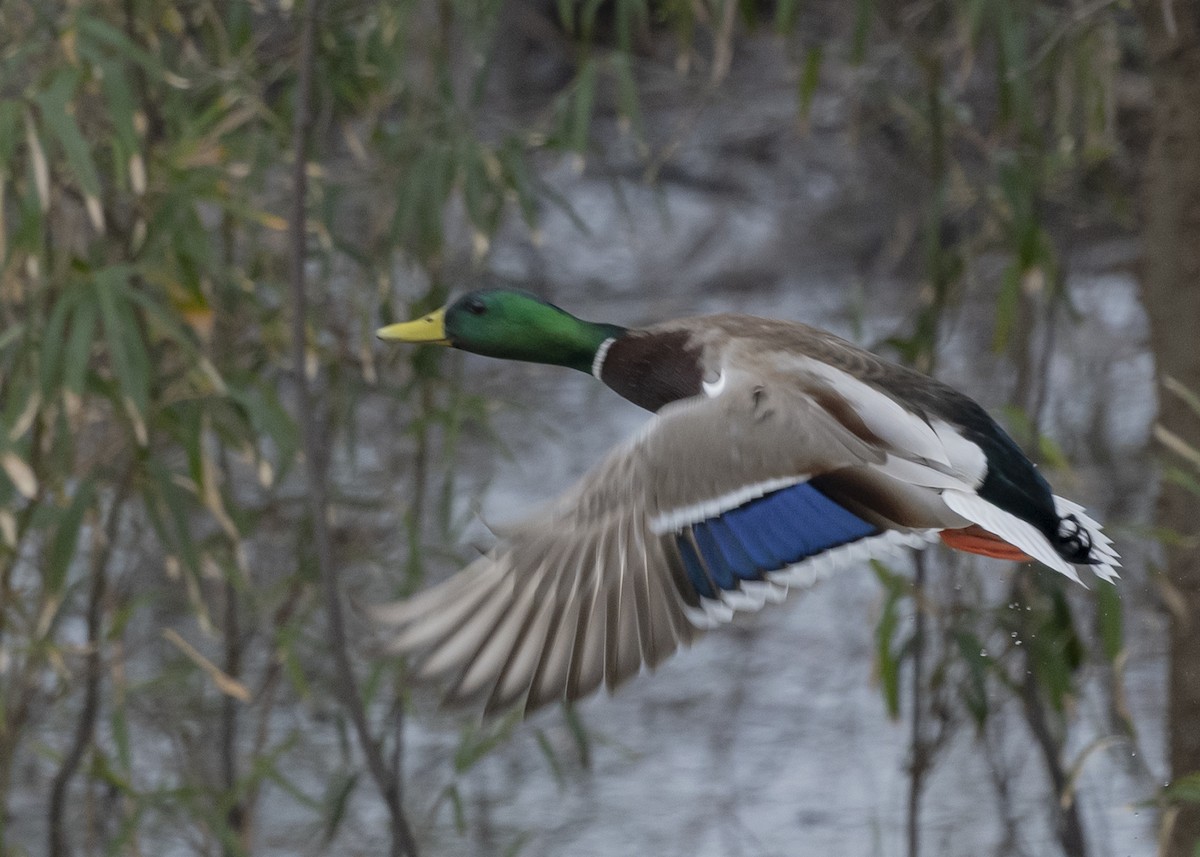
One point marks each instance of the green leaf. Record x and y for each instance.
(627, 12)
(974, 689)
(13, 334)
(103, 33)
(1185, 789)
(269, 420)
(1183, 478)
(1051, 454)
(786, 12)
(1006, 307)
(11, 132)
(127, 832)
(863, 11)
(1188, 397)
(76, 353)
(66, 537)
(517, 845)
(477, 742)
(579, 733)
(121, 107)
(587, 19)
(627, 93)
(119, 726)
(53, 337)
(126, 346)
(1109, 619)
(456, 806)
(512, 158)
(170, 512)
(337, 799)
(1055, 651)
(581, 106)
(54, 102)
(483, 203)
(888, 656)
(566, 15)
(809, 78)
(551, 757)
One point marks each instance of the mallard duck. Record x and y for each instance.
(777, 454)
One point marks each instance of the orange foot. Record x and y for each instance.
(975, 539)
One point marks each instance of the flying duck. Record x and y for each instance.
(777, 454)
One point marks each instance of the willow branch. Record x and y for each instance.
(85, 726)
(388, 782)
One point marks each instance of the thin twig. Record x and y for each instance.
(919, 756)
(388, 784)
(1077, 18)
(235, 815)
(1067, 823)
(85, 726)
(921, 747)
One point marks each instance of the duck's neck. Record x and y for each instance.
(583, 346)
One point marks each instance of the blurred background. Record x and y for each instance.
(207, 462)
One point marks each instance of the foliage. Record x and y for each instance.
(1183, 468)
(157, 598)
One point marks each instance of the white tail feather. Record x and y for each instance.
(1027, 537)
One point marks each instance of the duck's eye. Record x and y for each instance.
(475, 306)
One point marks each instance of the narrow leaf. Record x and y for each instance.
(38, 162)
(66, 537)
(20, 474)
(1109, 619)
(581, 112)
(225, 683)
(56, 111)
(809, 78)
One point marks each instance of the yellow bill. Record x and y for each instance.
(430, 328)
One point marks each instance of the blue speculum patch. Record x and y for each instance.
(765, 534)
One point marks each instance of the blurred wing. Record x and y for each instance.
(706, 511)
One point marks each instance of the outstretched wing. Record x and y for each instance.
(711, 508)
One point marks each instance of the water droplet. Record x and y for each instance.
(983, 653)
(1018, 642)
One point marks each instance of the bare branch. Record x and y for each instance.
(85, 726)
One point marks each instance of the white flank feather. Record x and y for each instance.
(966, 458)
(915, 473)
(890, 421)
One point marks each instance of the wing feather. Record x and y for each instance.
(592, 588)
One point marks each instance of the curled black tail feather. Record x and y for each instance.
(1074, 541)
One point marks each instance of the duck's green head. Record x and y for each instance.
(511, 325)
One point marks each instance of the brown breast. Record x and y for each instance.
(653, 368)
